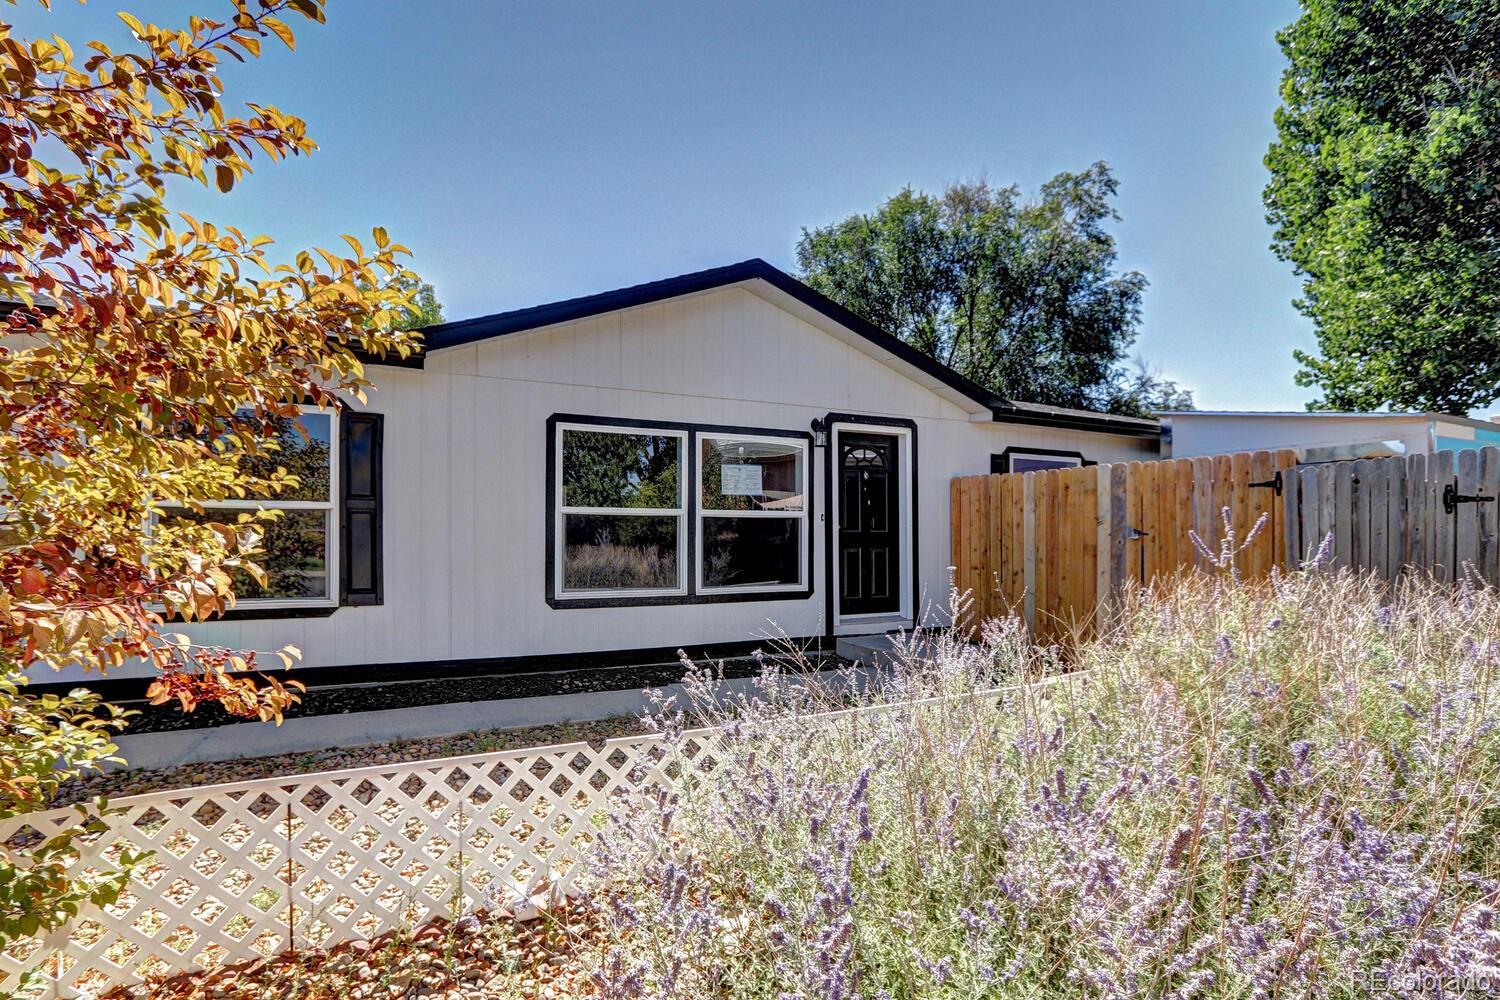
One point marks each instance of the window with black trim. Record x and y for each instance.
(752, 513)
(1034, 460)
(299, 549)
(621, 503)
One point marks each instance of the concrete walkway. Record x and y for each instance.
(352, 729)
(879, 650)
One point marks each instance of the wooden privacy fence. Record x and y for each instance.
(1054, 546)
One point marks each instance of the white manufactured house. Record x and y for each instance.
(688, 464)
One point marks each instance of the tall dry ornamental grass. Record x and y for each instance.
(1278, 791)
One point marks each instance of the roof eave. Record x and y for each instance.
(1084, 420)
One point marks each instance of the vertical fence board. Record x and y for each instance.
(1019, 582)
(1284, 530)
(1046, 496)
(1416, 508)
(1103, 507)
(1223, 491)
(1119, 525)
(1343, 499)
(1064, 553)
(1028, 544)
(1466, 517)
(1133, 550)
(1203, 507)
(1310, 500)
(1443, 569)
(1395, 518)
(1379, 478)
(1261, 498)
(1325, 510)
(1185, 514)
(1291, 519)
(1359, 515)
(1489, 515)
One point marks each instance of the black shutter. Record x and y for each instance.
(361, 563)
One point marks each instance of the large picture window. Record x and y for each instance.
(622, 511)
(668, 513)
(298, 549)
(752, 513)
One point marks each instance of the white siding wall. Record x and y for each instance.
(466, 477)
(1219, 434)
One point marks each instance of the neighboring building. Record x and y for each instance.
(1320, 436)
(674, 465)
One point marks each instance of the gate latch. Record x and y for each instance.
(1452, 498)
(1274, 484)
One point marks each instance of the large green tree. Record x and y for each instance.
(1385, 194)
(1022, 296)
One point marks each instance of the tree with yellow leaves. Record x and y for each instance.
(148, 359)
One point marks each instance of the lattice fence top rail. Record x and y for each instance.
(253, 868)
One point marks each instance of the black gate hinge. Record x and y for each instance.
(1274, 484)
(1452, 498)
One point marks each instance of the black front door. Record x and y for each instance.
(869, 525)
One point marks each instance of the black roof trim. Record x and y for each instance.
(1013, 412)
(469, 331)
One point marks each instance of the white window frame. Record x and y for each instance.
(1058, 461)
(560, 513)
(331, 546)
(801, 515)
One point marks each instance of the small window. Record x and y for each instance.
(1017, 460)
(752, 513)
(622, 511)
(298, 549)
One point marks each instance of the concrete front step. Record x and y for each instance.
(879, 650)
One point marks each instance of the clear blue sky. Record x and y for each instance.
(538, 149)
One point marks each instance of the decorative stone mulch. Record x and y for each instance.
(482, 956)
(397, 751)
(338, 699)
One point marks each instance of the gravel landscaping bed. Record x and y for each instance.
(397, 751)
(477, 958)
(338, 699)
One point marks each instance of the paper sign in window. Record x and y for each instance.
(740, 480)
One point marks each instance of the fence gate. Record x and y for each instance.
(1434, 513)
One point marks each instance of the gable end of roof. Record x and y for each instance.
(469, 331)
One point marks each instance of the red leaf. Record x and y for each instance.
(33, 580)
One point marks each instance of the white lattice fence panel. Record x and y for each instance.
(254, 868)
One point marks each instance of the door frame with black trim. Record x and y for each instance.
(903, 434)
